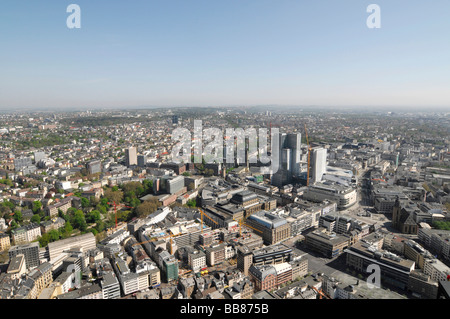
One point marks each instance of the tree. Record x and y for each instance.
(54, 235)
(114, 195)
(36, 219)
(18, 216)
(93, 216)
(136, 187)
(85, 202)
(78, 220)
(68, 228)
(147, 207)
(102, 209)
(37, 206)
(148, 186)
(44, 240)
(192, 202)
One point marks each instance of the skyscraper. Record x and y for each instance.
(318, 164)
(130, 156)
(289, 159)
(141, 160)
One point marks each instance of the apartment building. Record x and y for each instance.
(63, 205)
(5, 241)
(26, 234)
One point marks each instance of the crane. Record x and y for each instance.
(201, 218)
(245, 224)
(309, 156)
(320, 293)
(115, 209)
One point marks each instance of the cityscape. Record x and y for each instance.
(217, 158)
(93, 206)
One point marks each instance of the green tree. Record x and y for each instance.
(18, 216)
(79, 221)
(67, 230)
(85, 202)
(44, 240)
(147, 207)
(37, 206)
(192, 202)
(114, 195)
(54, 235)
(93, 216)
(36, 219)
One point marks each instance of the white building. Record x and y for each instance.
(436, 269)
(318, 164)
(344, 196)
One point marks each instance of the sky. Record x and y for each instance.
(224, 52)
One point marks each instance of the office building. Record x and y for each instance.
(436, 269)
(318, 159)
(393, 269)
(130, 156)
(83, 242)
(270, 277)
(21, 163)
(289, 152)
(197, 260)
(215, 254)
(422, 286)
(270, 227)
(110, 286)
(38, 156)
(343, 196)
(16, 267)
(141, 160)
(273, 254)
(94, 167)
(244, 259)
(327, 243)
(30, 251)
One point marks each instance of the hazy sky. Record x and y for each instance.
(224, 52)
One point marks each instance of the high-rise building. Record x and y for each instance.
(318, 164)
(289, 153)
(141, 160)
(130, 156)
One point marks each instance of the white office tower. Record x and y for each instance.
(318, 164)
